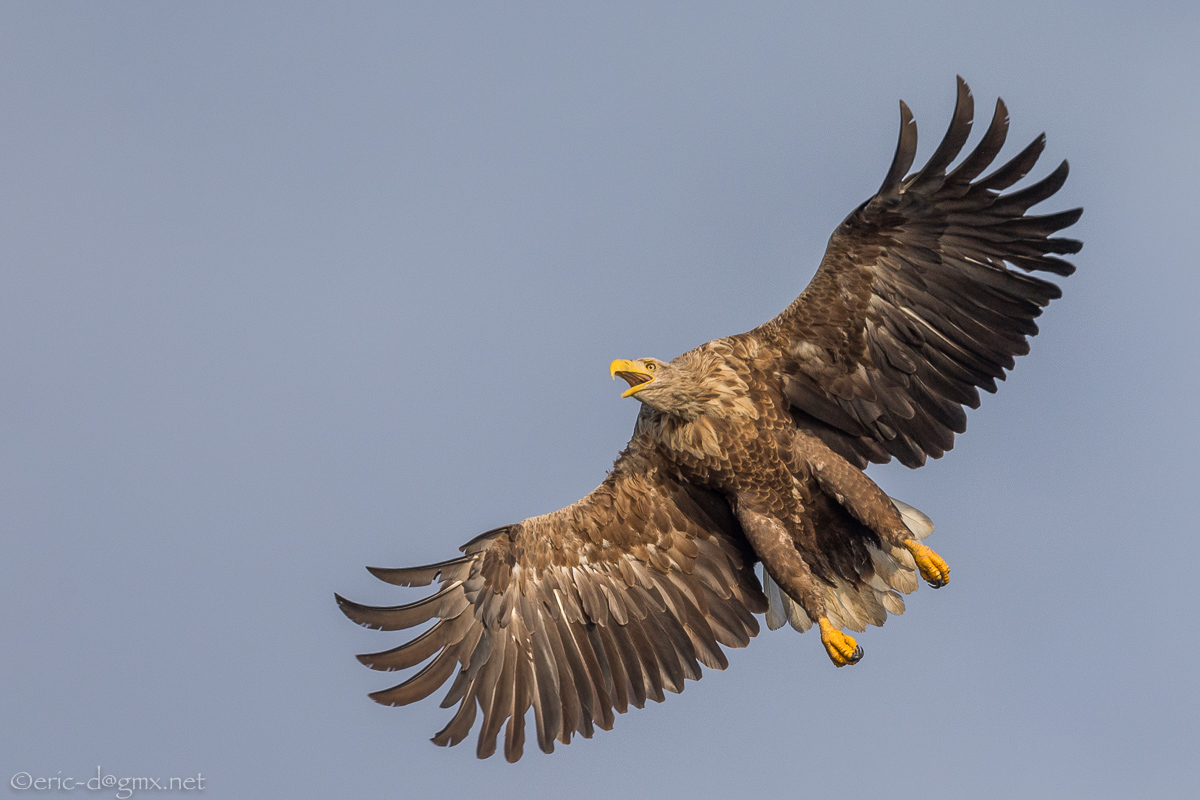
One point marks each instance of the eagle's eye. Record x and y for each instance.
(651, 366)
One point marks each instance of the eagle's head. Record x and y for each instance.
(662, 385)
(700, 382)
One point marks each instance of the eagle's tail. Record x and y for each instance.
(869, 600)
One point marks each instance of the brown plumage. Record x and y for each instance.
(747, 449)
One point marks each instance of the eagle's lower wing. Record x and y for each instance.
(592, 608)
(914, 307)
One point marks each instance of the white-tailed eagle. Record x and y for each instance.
(751, 449)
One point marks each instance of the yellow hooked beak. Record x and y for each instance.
(638, 377)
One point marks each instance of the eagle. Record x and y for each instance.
(749, 449)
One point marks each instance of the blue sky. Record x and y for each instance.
(287, 290)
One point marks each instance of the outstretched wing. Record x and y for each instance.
(592, 608)
(914, 307)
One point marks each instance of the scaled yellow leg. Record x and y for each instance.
(842, 649)
(934, 570)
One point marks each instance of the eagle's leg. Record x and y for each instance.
(774, 545)
(934, 568)
(841, 647)
(866, 502)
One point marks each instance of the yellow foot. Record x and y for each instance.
(934, 570)
(842, 649)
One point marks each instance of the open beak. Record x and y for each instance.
(637, 377)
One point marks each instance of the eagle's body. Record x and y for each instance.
(751, 448)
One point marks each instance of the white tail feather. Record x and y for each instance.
(893, 602)
(900, 555)
(782, 609)
(899, 576)
(916, 521)
(776, 608)
(877, 583)
(797, 617)
(872, 601)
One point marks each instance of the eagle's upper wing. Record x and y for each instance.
(914, 307)
(595, 607)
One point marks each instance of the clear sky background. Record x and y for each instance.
(290, 289)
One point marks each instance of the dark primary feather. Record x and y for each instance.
(915, 307)
(575, 614)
